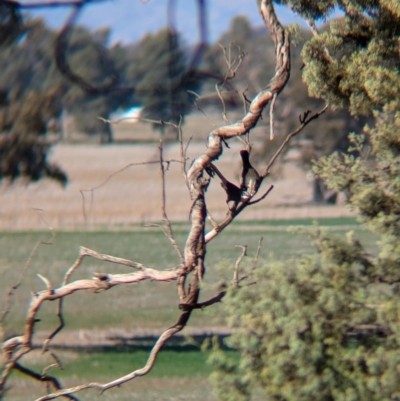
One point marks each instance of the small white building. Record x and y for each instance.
(130, 116)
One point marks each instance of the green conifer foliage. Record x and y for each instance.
(356, 61)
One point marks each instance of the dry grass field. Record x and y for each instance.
(105, 193)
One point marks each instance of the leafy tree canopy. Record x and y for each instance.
(165, 77)
(90, 57)
(29, 101)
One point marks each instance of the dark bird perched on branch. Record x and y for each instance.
(233, 193)
(250, 181)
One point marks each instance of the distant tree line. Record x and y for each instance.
(78, 72)
(154, 73)
(143, 74)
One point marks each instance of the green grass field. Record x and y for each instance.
(100, 365)
(178, 375)
(147, 304)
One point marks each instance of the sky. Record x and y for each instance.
(129, 20)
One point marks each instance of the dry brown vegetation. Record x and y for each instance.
(131, 196)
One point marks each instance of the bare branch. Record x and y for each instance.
(43, 378)
(167, 223)
(82, 254)
(183, 151)
(12, 289)
(187, 147)
(61, 323)
(237, 265)
(271, 117)
(189, 273)
(258, 251)
(91, 190)
(217, 298)
(212, 221)
(197, 96)
(137, 373)
(233, 66)
(100, 282)
(277, 83)
(57, 364)
(46, 281)
(254, 265)
(263, 196)
(305, 120)
(245, 100)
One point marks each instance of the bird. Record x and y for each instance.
(250, 179)
(233, 192)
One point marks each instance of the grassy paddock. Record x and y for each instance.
(96, 365)
(148, 304)
(176, 375)
(146, 388)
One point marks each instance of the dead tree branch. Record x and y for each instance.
(12, 289)
(189, 273)
(16, 347)
(254, 264)
(181, 323)
(275, 86)
(304, 121)
(237, 265)
(233, 66)
(168, 228)
(91, 190)
(217, 298)
(43, 378)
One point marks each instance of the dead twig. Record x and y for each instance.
(237, 264)
(232, 67)
(168, 231)
(271, 117)
(43, 378)
(91, 190)
(304, 121)
(254, 265)
(263, 196)
(100, 282)
(184, 317)
(190, 273)
(21, 276)
(217, 298)
(258, 251)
